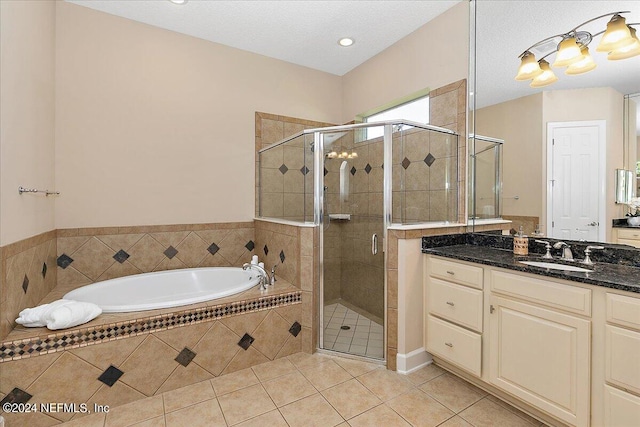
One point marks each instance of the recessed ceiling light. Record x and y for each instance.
(346, 41)
(178, 1)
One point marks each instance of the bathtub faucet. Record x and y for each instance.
(272, 279)
(264, 276)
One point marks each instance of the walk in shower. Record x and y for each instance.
(485, 170)
(353, 184)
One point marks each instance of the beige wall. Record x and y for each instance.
(418, 61)
(153, 127)
(27, 55)
(519, 123)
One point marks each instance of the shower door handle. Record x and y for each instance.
(374, 244)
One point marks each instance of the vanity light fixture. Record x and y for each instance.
(619, 40)
(346, 41)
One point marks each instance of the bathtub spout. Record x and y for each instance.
(263, 274)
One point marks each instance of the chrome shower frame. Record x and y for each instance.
(317, 148)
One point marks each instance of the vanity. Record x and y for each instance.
(561, 345)
(625, 234)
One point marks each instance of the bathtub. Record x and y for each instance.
(164, 289)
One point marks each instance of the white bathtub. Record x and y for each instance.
(165, 289)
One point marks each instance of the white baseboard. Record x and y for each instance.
(412, 361)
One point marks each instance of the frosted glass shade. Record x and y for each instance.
(529, 67)
(616, 36)
(546, 77)
(628, 51)
(586, 64)
(568, 53)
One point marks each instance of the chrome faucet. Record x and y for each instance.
(264, 276)
(547, 246)
(566, 250)
(587, 252)
(272, 278)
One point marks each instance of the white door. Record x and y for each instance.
(575, 188)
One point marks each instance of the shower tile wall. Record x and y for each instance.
(293, 250)
(28, 274)
(285, 167)
(150, 364)
(94, 254)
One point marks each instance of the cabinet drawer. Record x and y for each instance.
(460, 273)
(620, 409)
(623, 310)
(631, 234)
(622, 367)
(454, 344)
(459, 304)
(630, 242)
(556, 295)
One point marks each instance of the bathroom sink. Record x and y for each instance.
(555, 266)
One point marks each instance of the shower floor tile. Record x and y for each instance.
(363, 338)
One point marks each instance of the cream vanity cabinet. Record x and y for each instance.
(628, 236)
(539, 344)
(454, 304)
(622, 361)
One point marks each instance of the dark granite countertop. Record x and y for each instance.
(622, 223)
(617, 268)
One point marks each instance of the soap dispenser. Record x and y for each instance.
(520, 243)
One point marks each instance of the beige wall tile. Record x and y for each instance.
(271, 335)
(111, 353)
(49, 388)
(217, 348)
(184, 336)
(21, 373)
(149, 365)
(184, 376)
(245, 359)
(146, 254)
(192, 250)
(245, 323)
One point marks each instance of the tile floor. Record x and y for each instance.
(364, 336)
(305, 390)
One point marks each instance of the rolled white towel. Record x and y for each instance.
(59, 314)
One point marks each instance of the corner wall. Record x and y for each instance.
(27, 73)
(145, 115)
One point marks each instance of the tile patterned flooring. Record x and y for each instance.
(363, 338)
(305, 390)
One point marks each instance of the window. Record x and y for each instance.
(416, 110)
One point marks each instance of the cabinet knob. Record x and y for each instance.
(448, 344)
(450, 303)
(450, 272)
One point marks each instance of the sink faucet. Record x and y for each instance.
(587, 252)
(263, 274)
(547, 246)
(566, 250)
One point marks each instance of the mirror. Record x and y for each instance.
(544, 129)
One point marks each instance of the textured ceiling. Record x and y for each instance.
(302, 32)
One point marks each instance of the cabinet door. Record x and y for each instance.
(542, 357)
(620, 409)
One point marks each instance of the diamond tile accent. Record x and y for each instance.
(429, 159)
(368, 168)
(185, 357)
(213, 248)
(25, 283)
(44, 270)
(304, 170)
(121, 256)
(353, 170)
(64, 261)
(246, 341)
(266, 250)
(405, 163)
(325, 171)
(16, 396)
(250, 245)
(49, 343)
(295, 329)
(110, 375)
(170, 252)
(281, 256)
(283, 169)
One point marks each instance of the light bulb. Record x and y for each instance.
(546, 78)
(529, 67)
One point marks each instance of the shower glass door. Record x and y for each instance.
(352, 243)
